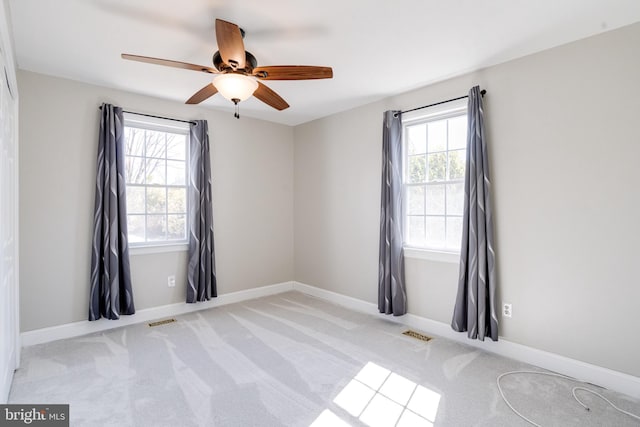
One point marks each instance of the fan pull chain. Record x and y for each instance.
(236, 114)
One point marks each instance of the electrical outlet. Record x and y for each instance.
(506, 310)
(171, 281)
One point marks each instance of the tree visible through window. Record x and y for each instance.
(434, 167)
(156, 177)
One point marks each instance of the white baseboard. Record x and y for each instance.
(594, 374)
(343, 300)
(604, 377)
(85, 327)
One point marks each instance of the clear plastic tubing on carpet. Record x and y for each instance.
(573, 391)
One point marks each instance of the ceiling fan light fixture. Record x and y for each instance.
(234, 86)
(237, 72)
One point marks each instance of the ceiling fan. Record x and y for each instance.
(237, 73)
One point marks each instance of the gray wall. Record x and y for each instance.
(252, 164)
(564, 150)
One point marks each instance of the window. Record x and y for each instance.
(434, 147)
(156, 163)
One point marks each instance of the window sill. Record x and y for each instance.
(159, 249)
(432, 255)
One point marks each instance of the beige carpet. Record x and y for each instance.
(292, 360)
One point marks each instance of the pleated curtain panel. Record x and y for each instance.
(475, 307)
(110, 294)
(201, 270)
(392, 296)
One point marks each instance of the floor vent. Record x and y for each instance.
(162, 322)
(417, 335)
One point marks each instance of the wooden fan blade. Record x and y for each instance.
(230, 44)
(169, 63)
(204, 93)
(269, 97)
(292, 72)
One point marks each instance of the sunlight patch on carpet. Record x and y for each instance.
(329, 419)
(379, 397)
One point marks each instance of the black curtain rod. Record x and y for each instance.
(155, 117)
(482, 92)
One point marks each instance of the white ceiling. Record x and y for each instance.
(376, 48)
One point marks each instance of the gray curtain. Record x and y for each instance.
(392, 297)
(475, 308)
(110, 294)
(201, 273)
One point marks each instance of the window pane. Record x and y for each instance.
(457, 161)
(458, 132)
(417, 169)
(455, 198)
(134, 141)
(134, 170)
(415, 200)
(156, 227)
(175, 172)
(176, 226)
(156, 200)
(417, 139)
(437, 166)
(436, 160)
(176, 146)
(435, 199)
(135, 200)
(155, 144)
(177, 200)
(156, 185)
(135, 228)
(415, 231)
(437, 137)
(435, 231)
(156, 171)
(454, 232)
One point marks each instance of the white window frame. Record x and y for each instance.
(169, 126)
(438, 112)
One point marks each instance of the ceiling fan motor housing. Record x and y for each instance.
(250, 63)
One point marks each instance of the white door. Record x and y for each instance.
(9, 332)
